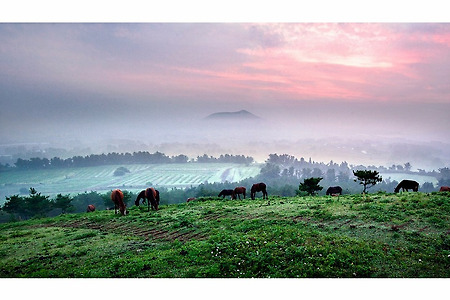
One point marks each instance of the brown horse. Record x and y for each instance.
(191, 199)
(259, 187)
(149, 195)
(334, 190)
(224, 193)
(444, 189)
(90, 208)
(406, 185)
(239, 190)
(152, 195)
(117, 198)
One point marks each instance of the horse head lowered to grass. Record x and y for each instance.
(149, 195)
(117, 198)
(406, 185)
(224, 193)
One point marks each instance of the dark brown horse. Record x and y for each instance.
(117, 198)
(191, 199)
(224, 193)
(259, 187)
(334, 190)
(238, 191)
(149, 195)
(90, 208)
(444, 189)
(406, 185)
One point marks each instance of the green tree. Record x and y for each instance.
(37, 204)
(428, 187)
(444, 177)
(15, 206)
(64, 203)
(367, 178)
(270, 171)
(81, 201)
(310, 185)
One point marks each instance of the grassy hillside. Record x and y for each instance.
(102, 179)
(380, 235)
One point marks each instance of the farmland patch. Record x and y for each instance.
(102, 179)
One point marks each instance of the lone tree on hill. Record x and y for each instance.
(311, 185)
(367, 178)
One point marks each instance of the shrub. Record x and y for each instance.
(121, 171)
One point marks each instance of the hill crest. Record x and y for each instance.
(237, 115)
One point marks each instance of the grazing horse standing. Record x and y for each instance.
(239, 190)
(90, 208)
(117, 198)
(259, 187)
(224, 193)
(139, 197)
(334, 190)
(150, 195)
(406, 185)
(444, 189)
(191, 199)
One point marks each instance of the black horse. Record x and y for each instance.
(406, 185)
(259, 187)
(334, 190)
(224, 193)
(151, 196)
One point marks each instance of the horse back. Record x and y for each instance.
(150, 193)
(258, 187)
(117, 196)
(444, 189)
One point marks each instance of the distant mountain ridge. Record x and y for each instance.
(238, 115)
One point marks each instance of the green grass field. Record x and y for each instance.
(404, 235)
(102, 179)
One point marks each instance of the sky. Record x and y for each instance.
(153, 81)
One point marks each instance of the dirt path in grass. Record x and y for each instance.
(127, 228)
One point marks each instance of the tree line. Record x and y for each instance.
(141, 157)
(37, 205)
(289, 169)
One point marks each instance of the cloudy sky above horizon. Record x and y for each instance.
(65, 76)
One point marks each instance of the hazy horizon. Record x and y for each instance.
(154, 83)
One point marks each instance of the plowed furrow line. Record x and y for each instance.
(127, 229)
